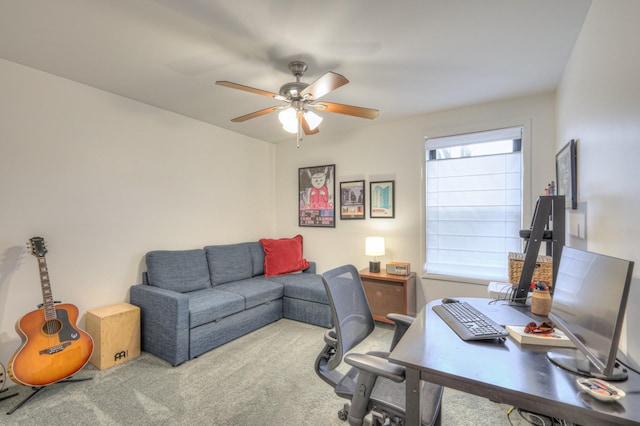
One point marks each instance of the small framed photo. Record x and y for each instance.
(316, 196)
(566, 164)
(352, 200)
(382, 204)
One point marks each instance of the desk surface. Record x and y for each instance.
(506, 372)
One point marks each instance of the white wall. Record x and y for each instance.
(599, 105)
(105, 179)
(396, 151)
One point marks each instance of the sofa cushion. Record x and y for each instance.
(303, 286)
(283, 256)
(257, 257)
(231, 262)
(212, 304)
(178, 270)
(255, 291)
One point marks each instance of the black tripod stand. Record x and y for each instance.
(2, 398)
(37, 389)
(2, 377)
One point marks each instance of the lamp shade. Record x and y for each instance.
(374, 246)
(289, 119)
(313, 119)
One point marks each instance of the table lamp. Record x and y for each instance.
(374, 246)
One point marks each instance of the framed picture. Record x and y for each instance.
(316, 196)
(383, 197)
(352, 196)
(566, 164)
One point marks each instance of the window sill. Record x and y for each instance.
(457, 279)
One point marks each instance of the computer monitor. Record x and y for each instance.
(589, 301)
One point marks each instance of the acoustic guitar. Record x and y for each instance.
(53, 348)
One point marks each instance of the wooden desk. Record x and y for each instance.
(502, 372)
(388, 293)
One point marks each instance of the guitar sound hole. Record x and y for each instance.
(52, 327)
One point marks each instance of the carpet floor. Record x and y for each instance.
(264, 378)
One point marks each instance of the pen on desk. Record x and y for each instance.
(605, 387)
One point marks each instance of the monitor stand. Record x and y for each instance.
(574, 361)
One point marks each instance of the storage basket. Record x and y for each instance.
(543, 270)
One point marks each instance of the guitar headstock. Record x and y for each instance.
(38, 248)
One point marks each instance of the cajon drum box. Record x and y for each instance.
(115, 331)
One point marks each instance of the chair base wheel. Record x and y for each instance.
(343, 415)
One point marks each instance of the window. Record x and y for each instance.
(473, 203)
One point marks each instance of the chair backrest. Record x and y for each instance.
(352, 317)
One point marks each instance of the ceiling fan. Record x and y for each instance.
(300, 99)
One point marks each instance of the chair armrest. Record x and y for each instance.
(380, 367)
(164, 322)
(402, 324)
(401, 319)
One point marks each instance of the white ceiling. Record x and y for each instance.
(403, 57)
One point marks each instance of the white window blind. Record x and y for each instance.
(474, 203)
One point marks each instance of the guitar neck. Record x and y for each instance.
(47, 295)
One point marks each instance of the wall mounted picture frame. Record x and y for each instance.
(383, 197)
(316, 196)
(566, 174)
(352, 200)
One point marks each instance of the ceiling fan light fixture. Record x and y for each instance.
(302, 97)
(290, 128)
(289, 119)
(313, 119)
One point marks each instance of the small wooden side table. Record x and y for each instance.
(389, 293)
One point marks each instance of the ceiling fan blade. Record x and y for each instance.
(255, 114)
(347, 109)
(305, 125)
(232, 85)
(325, 84)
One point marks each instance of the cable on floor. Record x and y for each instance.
(535, 418)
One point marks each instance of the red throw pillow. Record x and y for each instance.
(283, 256)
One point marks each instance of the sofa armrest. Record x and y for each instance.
(164, 321)
(311, 269)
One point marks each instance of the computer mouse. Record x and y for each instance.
(450, 300)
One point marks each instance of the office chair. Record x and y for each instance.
(380, 396)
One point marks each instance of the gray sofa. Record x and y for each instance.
(192, 301)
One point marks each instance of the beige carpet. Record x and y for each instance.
(264, 378)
